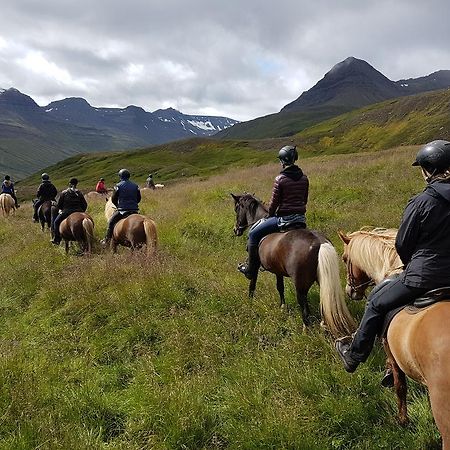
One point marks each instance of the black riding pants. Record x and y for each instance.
(389, 297)
(116, 217)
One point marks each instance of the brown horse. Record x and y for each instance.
(133, 231)
(78, 227)
(45, 214)
(418, 342)
(306, 256)
(7, 204)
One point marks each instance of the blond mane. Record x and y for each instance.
(373, 251)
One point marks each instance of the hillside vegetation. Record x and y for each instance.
(121, 352)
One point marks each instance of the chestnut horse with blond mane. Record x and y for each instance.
(78, 227)
(7, 204)
(133, 231)
(417, 342)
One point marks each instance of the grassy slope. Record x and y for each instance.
(119, 352)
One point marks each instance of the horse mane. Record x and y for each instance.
(373, 251)
(252, 202)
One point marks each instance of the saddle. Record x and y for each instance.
(429, 298)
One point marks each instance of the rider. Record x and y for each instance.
(423, 244)
(101, 187)
(287, 207)
(71, 200)
(149, 182)
(46, 191)
(8, 188)
(126, 197)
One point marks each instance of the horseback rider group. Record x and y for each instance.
(46, 192)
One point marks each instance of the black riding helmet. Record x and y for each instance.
(288, 155)
(45, 177)
(124, 174)
(434, 157)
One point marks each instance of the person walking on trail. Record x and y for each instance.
(71, 200)
(8, 188)
(423, 244)
(149, 182)
(126, 198)
(46, 191)
(101, 187)
(287, 207)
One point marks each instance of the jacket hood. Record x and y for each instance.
(440, 188)
(294, 172)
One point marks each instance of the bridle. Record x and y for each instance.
(351, 280)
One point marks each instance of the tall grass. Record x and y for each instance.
(124, 352)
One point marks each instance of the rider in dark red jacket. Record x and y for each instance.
(287, 207)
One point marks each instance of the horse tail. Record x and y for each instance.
(333, 308)
(150, 235)
(88, 226)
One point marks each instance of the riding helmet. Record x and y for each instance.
(73, 181)
(45, 177)
(434, 157)
(288, 154)
(7, 177)
(124, 174)
(102, 179)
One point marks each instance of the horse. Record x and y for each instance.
(133, 231)
(417, 342)
(306, 256)
(7, 204)
(45, 214)
(78, 227)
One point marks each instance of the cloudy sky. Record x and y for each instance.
(236, 58)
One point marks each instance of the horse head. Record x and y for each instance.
(357, 280)
(248, 210)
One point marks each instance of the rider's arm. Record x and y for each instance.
(275, 199)
(408, 232)
(138, 196)
(115, 197)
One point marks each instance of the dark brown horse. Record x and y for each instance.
(306, 256)
(45, 214)
(133, 231)
(78, 227)
(418, 341)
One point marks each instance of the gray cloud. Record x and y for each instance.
(234, 58)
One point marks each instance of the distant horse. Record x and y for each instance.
(45, 214)
(133, 231)
(7, 204)
(304, 255)
(418, 341)
(94, 195)
(78, 227)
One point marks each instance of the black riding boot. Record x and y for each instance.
(250, 269)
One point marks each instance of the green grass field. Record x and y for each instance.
(124, 352)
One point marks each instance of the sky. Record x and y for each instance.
(235, 58)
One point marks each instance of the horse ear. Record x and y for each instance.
(345, 239)
(235, 197)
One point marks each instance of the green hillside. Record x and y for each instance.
(120, 352)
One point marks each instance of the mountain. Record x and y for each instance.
(32, 137)
(349, 85)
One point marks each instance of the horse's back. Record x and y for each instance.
(291, 250)
(131, 229)
(72, 227)
(420, 341)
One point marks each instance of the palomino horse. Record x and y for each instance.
(418, 342)
(133, 231)
(7, 204)
(304, 255)
(45, 214)
(78, 227)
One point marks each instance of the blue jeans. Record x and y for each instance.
(265, 227)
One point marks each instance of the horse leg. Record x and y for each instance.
(302, 299)
(252, 286)
(280, 289)
(399, 385)
(66, 245)
(113, 245)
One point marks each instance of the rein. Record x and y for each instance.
(352, 280)
(248, 225)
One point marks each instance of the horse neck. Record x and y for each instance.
(259, 213)
(377, 258)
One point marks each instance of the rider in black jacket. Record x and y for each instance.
(46, 191)
(423, 243)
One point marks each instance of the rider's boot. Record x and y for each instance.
(250, 268)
